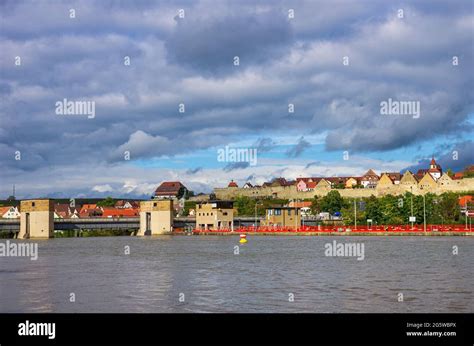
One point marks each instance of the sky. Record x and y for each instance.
(169, 94)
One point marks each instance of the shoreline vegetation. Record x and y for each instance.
(385, 210)
(389, 210)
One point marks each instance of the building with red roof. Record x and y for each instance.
(170, 189)
(232, 184)
(119, 213)
(435, 170)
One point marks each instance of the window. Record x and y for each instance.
(33, 204)
(289, 212)
(224, 213)
(277, 211)
(154, 204)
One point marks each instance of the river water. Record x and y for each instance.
(270, 274)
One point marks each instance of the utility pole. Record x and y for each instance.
(411, 196)
(296, 215)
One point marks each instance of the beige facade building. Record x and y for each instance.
(445, 181)
(351, 182)
(156, 217)
(215, 215)
(385, 181)
(408, 180)
(36, 219)
(323, 184)
(427, 183)
(282, 217)
(408, 183)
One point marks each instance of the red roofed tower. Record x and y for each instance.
(232, 184)
(435, 169)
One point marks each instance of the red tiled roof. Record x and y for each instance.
(422, 172)
(113, 212)
(3, 210)
(394, 176)
(62, 214)
(337, 180)
(303, 179)
(369, 173)
(279, 181)
(169, 188)
(465, 200)
(86, 207)
(232, 184)
(300, 204)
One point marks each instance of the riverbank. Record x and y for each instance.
(423, 234)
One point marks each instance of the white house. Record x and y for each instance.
(9, 212)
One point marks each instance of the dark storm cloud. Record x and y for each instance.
(194, 170)
(264, 145)
(311, 164)
(251, 177)
(235, 165)
(298, 148)
(210, 44)
(457, 158)
(190, 60)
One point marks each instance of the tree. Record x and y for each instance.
(245, 206)
(108, 202)
(348, 213)
(373, 210)
(332, 202)
(448, 207)
(182, 192)
(189, 205)
(316, 205)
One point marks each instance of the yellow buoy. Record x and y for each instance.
(243, 238)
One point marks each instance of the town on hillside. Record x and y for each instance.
(291, 193)
(369, 180)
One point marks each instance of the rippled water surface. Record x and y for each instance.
(262, 278)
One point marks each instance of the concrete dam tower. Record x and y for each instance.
(156, 217)
(36, 219)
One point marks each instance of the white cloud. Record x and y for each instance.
(103, 188)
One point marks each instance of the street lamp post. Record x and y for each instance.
(296, 214)
(302, 217)
(411, 197)
(355, 213)
(256, 204)
(424, 213)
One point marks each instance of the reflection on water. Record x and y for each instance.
(210, 278)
